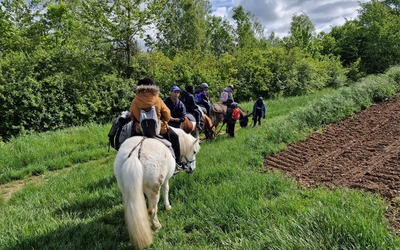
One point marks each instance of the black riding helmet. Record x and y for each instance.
(234, 105)
(190, 89)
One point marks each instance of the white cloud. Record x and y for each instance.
(221, 12)
(276, 16)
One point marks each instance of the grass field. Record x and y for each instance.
(58, 190)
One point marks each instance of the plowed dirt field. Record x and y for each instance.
(362, 152)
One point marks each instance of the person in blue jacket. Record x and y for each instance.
(178, 110)
(259, 111)
(201, 97)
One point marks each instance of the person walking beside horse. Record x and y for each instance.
(231, 116)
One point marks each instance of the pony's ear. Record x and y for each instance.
(198, 140)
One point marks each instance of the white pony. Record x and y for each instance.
(142, 166)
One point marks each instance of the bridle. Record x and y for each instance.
(187, 160)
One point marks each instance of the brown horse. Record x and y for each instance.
(217, 114)
(189, 126)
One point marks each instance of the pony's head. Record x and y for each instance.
(190, 146)
(244, 118)
(209, 128)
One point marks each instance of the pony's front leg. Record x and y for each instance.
(165, 188)
(153, 199)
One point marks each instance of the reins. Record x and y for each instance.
(140, 149)
(220, 128)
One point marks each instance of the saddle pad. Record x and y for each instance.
(190, 117)
(219, 108)
(166, 143)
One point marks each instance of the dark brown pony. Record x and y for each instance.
(190, 127)
(217, 114)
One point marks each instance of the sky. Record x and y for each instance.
(276, 15)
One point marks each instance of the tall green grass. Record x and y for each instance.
(35, 154)
(229, 202)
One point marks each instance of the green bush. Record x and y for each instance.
(394, 73)
(347, 102)
(61, 87)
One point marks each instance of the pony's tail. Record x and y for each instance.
(136, 215)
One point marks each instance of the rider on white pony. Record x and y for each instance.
(143, 167)
(147, 95)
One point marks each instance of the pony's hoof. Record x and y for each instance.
(169, 207)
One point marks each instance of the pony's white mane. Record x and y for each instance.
(188, 144)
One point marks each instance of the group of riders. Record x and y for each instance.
(173, 110)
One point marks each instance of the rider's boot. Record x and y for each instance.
(180, 166)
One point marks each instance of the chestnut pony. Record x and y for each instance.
(189, 126)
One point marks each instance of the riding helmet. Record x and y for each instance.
(204, 85)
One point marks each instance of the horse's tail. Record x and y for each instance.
(136, 215)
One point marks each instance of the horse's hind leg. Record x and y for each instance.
(166, 195)
(153, 198)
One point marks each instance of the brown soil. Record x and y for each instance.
(362, 152)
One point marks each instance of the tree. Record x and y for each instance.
(302, 33)
(181, 26)
(373, 38)
(220, 36)
(245, 34)
(382, 31)
(118, 24)
(393, 4)
(20, 22)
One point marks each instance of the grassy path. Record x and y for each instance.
(228, 203)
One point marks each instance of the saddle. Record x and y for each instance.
(219, 108)
(202, 108)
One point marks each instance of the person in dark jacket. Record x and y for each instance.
(230, 122)
(259, 111)
(178, 109)
(187, 97)
(201, 97)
